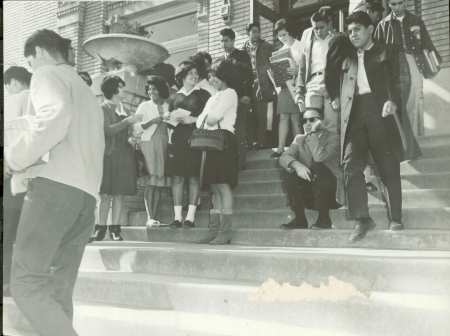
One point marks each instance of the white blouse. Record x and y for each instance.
(222, 106)
(150, 111)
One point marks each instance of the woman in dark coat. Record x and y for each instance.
(182, 162)
(119, 165)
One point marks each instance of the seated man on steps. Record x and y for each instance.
(313, 175)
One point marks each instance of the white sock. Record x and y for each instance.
(191, 213)
(178, 209)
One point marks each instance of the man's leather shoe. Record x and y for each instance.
(321, 225)
(362, 226)
(396, 226)
(294, 224)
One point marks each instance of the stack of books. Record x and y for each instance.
(431, 63)
(279, 63)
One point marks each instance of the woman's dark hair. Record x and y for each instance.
(360, 18)
(85, 73)
(250, 25)
(183, 69)
(110, 86)
(160, 85)
(164, 70)
(18, 73)
(201, 65)
(226, 71)
(205, 55)
(284, 24)
(49, 40)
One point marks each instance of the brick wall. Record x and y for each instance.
(435, 14)
(209, 37)
(93, 25)
(21, 19)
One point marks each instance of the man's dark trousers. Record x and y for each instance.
(257, 119)
(54, 229)
(366, 131)
(320, 194)
(240, 126)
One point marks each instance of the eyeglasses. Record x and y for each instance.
(311, 120)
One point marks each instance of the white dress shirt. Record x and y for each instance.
(361, 76)
(319, 54)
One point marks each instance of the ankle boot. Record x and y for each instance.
(99, 233)
(225, 234)
(114, 233)
(213, 226)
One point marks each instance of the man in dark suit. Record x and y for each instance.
(263, 90)
(370, 100)
(313, 175)
(242, 60)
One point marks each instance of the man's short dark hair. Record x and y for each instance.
(160, 85)
(18, 73)
(328, 12)
(250, 25)
(85, 73)
(226, 71)
(110, 86)
(205, 55)
(229, 33)
(284, 24)
(375, 6)
(49, 40)
(320, 17)
(359, 18)
(182, 71)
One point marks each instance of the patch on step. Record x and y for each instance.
(336, 290)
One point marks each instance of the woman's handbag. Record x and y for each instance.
(208, 140)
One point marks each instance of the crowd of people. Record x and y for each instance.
(354, 102)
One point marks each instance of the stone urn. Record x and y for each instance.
(125, 51)
(125, 55)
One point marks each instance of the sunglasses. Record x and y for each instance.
(311, 120)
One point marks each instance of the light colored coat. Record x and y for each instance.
(327, 152)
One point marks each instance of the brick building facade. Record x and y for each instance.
(184, 27)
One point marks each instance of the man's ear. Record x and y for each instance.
(370, 29)
(39, 52)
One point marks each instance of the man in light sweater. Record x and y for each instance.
(58, 213)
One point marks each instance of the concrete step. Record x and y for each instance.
(419, 166)
(413, 218)
(380, 239)
(366, 269)
(266, 170)
(390, 311)
(425, 198)
(433, 140)
(117, 320)
(422, 181)
(428, 152)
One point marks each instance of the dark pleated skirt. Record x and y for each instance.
(222, 167)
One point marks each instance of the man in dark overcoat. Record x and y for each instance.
(371, 119)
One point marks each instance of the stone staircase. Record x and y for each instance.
(392, 283)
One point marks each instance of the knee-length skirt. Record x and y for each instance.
(223, 167)
(285, 103)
